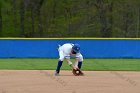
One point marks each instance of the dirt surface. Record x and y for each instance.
(41, 81)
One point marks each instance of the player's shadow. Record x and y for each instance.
(66, 75)
(71, 75)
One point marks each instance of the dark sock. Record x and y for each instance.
(59, 66)
(79, 64)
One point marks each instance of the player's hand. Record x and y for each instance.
(75, 68)
(77, 72)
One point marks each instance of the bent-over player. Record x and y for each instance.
(66, 51)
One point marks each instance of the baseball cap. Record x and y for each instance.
(76, 48)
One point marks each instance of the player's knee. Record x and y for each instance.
(61, 59)
(80, 59)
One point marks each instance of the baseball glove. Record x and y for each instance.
(77, 72)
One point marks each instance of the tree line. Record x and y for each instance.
(70, 18)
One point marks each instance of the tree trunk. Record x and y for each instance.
(138, 23)
(110, 28)
(126, 24)
(126, 18)
(69, 15)
(0, 22)
(102, 17)
(14, 14)
(33, 22)
(22, 16)
(40, 27)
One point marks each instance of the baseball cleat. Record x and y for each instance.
(56, 74)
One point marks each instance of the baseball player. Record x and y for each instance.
(66, 51)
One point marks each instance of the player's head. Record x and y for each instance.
(76, 48)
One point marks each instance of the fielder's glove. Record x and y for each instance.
(77, 72)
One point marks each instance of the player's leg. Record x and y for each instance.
(60, 61)
(59, 66)
(80, 61)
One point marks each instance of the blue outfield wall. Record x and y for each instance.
(89, 48)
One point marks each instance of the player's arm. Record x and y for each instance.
(70, 63)
(76, 62)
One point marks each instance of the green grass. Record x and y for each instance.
(88, 64)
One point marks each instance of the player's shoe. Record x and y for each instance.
(56, 74)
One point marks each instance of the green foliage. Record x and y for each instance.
(70, 18)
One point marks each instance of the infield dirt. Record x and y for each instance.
(44, 81)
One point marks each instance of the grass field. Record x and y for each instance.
(88, 64)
